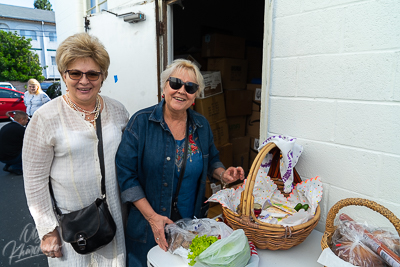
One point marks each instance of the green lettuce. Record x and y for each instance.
(199, 244)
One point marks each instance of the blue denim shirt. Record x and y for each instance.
(146, 164)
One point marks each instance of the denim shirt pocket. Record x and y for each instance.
(137, 226)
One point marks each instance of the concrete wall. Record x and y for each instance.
(335, 85)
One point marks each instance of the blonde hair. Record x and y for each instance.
(180, 65)
(35, 82)
(82, 45)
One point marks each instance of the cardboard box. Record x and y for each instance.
(252, 156)
(253, 125)
(233, 71)
(242, 160)
(256, 99)
(238, 102)
(220, 132)
(236, 126)
(212, 188)
(240, 145)
(254, 143)
(226, 154)
(221, 45)
(213, 108)
(212, 84)
(254, 59)
(188, 57)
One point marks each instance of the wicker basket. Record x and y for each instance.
(330, 228)
(265, 235)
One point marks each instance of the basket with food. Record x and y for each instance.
(275, 213)
(347, 242)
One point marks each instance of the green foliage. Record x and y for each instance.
(17, 62)
(54, 90)
(42, 4)
(199, 244)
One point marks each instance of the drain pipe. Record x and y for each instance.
(266, 70)
(44, 51)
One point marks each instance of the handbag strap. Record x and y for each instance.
(175, 199)
(101, 157)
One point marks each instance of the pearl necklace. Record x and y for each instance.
(95, 111)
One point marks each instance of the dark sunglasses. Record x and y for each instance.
(176, 83)
(77, 74)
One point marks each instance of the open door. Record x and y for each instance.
(133, 48)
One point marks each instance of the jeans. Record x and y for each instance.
(14, 165)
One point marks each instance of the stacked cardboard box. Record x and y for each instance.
(213, 108)
(226, 54)
(253, 121)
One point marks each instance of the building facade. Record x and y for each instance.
(38, 25)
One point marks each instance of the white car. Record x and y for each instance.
(7, 85)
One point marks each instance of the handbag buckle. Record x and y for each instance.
(81, 242)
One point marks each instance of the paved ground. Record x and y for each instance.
(19, 243)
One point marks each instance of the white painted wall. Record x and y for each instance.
(132, 48)
(335, 85)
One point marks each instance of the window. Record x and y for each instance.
(9, 94)
(52, 37)
(4, 27)
(53, 61)
(92, 6)
(28, 34)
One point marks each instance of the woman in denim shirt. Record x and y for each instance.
(150, 156)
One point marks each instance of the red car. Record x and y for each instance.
(10, 100)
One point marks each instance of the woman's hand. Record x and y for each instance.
(157, 223)
(51, 245)
(232, 174)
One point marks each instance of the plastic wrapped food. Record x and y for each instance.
(359, 245)
(182, 232)
(233, 251)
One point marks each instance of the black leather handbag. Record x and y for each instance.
(92, 227)
(175, 215)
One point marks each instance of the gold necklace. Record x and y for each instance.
(95, 111)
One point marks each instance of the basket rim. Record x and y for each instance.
(334, 210)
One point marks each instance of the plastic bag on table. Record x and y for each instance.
(233, 251)
(182, 232)
(347, 244)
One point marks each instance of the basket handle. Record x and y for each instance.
(246, 200)
(360, 202)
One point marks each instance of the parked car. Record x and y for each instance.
(10, 100)
(45, 85)
(7, 85)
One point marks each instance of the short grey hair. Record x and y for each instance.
(179, 65)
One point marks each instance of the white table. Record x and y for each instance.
(305, 254)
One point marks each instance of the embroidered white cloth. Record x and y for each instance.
(59, 143)
(290, 155)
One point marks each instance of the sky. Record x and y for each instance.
(23, 3)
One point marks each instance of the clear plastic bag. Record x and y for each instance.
(232, 251)
(182, 232)
(348, 243)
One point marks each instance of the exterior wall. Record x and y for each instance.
(43, 47)
(335, 85)
(69, 18)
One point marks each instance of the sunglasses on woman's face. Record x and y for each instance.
(176, 84)
(77, 74)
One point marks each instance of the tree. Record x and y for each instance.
(17, 62)
(42, 4)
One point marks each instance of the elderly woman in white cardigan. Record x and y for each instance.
(61, 146)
